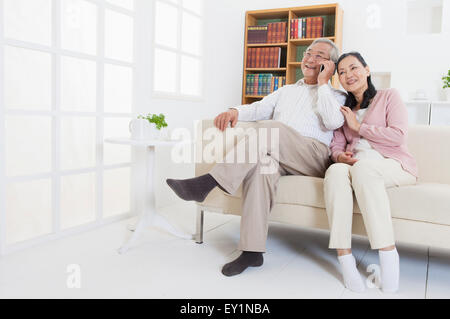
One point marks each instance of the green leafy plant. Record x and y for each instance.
(159, 120)
(446, 79)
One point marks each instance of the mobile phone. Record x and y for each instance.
(322, 67)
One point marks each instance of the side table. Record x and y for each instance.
(149, 215)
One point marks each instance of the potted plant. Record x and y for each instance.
(157, 123)
(446, 87)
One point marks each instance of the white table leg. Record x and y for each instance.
(161, 222)
(149, 215)
(140, 226)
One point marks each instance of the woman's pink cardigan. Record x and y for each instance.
(385, 126)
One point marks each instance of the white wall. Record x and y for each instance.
(415, 61)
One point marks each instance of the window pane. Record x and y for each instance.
(119, 36)
(116, 154)
(190, 76)
(78, 202)
(27, 79)
(27, 20)
(193, 5)
(166, 26)
(30, 218)
(28, 145)
(118, 89)
(78, 85)
(191, 41)
(78, 141)
(127, 4)
(79, 26)
(116, 192)
(165, 71)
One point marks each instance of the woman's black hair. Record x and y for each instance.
(370, 92)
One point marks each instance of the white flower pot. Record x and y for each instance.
(144, 130)
(139, 129)
(447, 94)
(153, 133)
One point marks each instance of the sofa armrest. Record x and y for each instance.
(211, 144)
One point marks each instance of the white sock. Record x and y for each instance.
(389, 270)
(352, 278)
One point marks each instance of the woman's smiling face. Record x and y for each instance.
(353, 75)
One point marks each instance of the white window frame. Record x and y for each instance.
(56, 115)
(179, 53)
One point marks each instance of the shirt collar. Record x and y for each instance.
(302, 83)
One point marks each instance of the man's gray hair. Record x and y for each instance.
(334, 52)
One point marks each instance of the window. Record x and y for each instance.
(66, 84)
(178, 48)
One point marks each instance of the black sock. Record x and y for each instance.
(245, 260)
(193, 189)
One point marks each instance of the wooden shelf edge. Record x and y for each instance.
(251, 45)
(284, 11)
(255, 96)
(308, 40)
(266, 69)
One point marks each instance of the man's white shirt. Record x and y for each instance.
(312, 110)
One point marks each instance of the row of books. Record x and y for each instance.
(264, 57)
(275, 32)
(307, 28)
(263, 84)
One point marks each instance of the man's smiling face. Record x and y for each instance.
(312, 58)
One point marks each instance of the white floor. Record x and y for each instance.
(298, 264)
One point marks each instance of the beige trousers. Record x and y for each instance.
(369, 180)
(291, 154)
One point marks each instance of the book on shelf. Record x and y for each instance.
(312, 27)
(271, 57)
(308, 28)
(275, 32)
(263, 84)
(257, 34)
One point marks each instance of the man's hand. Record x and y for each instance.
(222, 120)
(327, 73)
(347, 158)
(350, 118)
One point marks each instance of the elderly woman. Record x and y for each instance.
(371, 155)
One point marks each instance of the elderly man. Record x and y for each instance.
(305, 115)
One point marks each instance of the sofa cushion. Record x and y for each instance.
(295, 189)
(428, 202)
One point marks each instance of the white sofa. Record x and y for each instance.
(420, 213)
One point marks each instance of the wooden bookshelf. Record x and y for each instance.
(291, 65)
